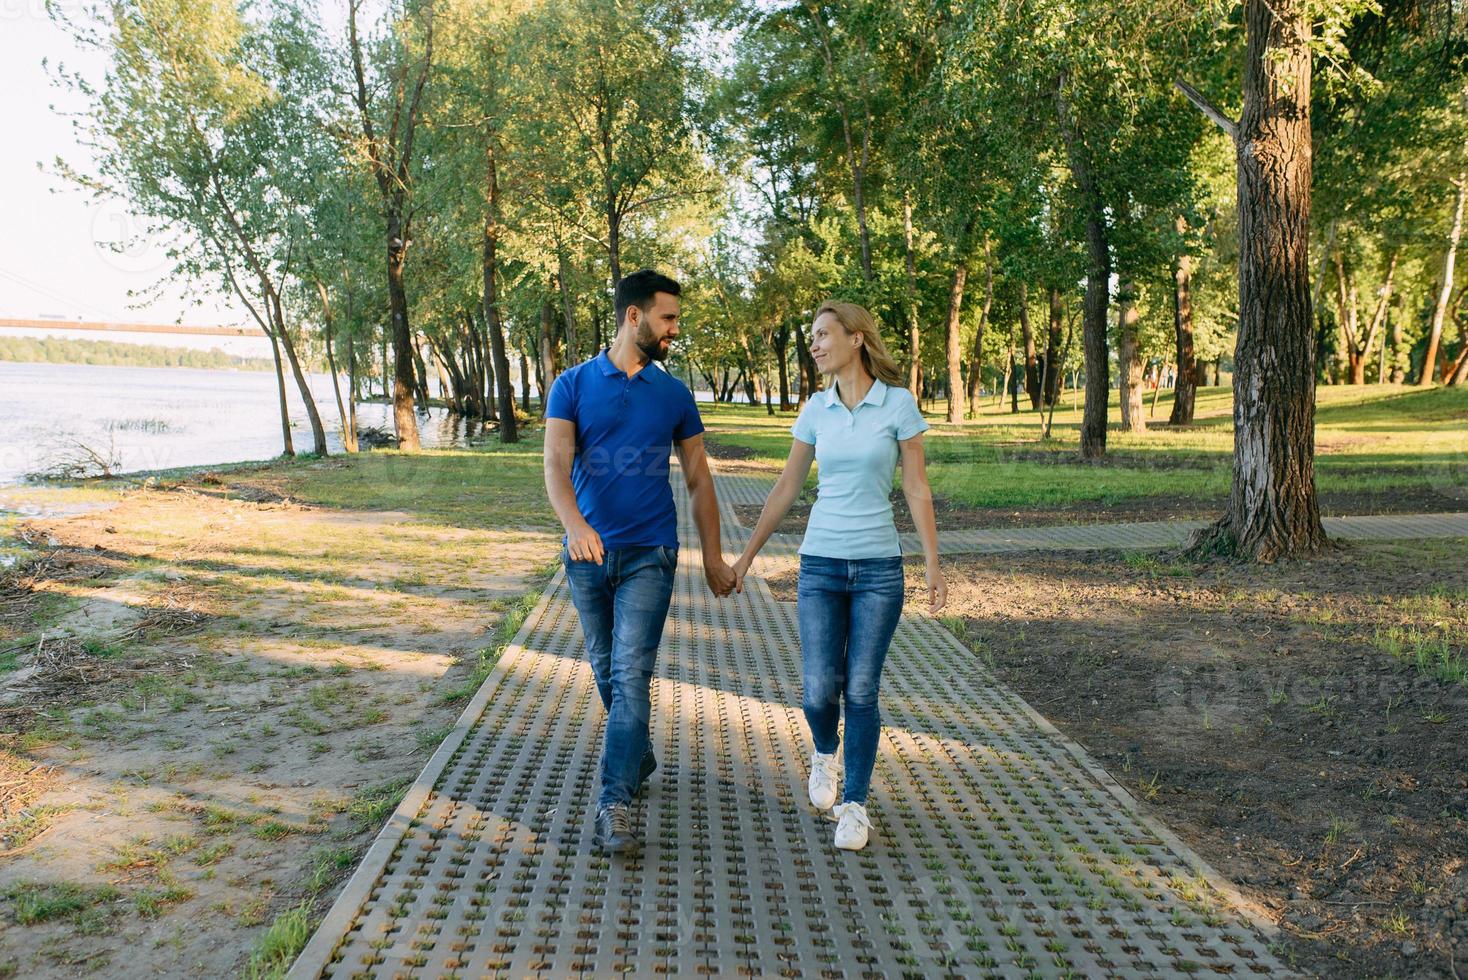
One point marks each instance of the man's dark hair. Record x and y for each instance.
(637, 289)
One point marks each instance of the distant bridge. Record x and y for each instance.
(173, 328)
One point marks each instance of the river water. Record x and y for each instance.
(155, 418)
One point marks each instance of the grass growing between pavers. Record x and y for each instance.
(1380, 448)
(224, 683)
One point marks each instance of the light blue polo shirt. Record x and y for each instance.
(856, 452)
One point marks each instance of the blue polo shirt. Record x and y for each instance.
(856, 455)
(625, 430)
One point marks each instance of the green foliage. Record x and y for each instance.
(59, 350)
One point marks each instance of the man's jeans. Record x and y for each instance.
(848, 610)
(623, 604)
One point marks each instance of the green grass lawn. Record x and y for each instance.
(1373, 439)
(487, 486)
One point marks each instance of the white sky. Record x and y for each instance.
(53, 257)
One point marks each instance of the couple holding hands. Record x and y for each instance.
(610, 424)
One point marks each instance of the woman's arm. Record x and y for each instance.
(920, 504)
(777, 504)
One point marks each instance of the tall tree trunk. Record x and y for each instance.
(780, 340)
(1011, 383)
(524, 381)
(1098, 286)
(1348, 316)
(1185, 388)
(810, 377)
(450, 389)
(1093, 338)
(914, 335)
(352, 382)
(568, 309)
(386, 363)
(1032, 368)
(349, 435)
(485, 348)
(405, 423)
(318, 431)
(1378, 319)
(509, 428)
(546, 372)
(285, 413)
(1129, 357)
(614, 247)
(421, 370)
(1273, 511)
(976, 366)
(769, 395)
(1050, 383)
(1434, 337)
(954, 341)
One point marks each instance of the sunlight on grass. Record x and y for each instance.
(1370, 439)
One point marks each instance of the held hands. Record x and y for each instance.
(720, 576)
(741, 569)
(937, 589)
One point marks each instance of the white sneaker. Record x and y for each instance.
(851, 832)
(822, 783)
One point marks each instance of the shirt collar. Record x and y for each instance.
(610, 369)
(876, 395)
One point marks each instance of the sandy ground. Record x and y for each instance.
(236, 695)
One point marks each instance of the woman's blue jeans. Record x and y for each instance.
(848, 610)
(622, 604)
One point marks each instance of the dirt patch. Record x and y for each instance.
(953, 516)
(1260, 712)
(723, 450)
(225, 702)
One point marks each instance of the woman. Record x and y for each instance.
(850, 592)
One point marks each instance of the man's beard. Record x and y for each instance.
(652, 348)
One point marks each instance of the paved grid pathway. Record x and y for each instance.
(1000, 849)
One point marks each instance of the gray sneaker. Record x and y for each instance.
(614, 829)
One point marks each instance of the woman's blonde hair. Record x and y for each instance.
(874, 355)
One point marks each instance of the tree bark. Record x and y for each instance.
(914, 335)
(568, 310)
(404, 421)
(1378, 319)
(545, 374)
(524, 381)
(780, 340)
(509, 429)
(318, 431)
(1098, 286)
(285, 414)
(1185, 388)
(353, 393)
(976, 373)
(1050, 382)
(1129, 358)
(421, 374)
(349, 433)
(1032, 367)
(810, 377)
(955, 339)
(1273, 511)
(1434, 337)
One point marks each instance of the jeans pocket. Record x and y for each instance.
(670, 557)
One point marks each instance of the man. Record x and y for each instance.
(610, 424)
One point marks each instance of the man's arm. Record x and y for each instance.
(582, 541)
(694, 460)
